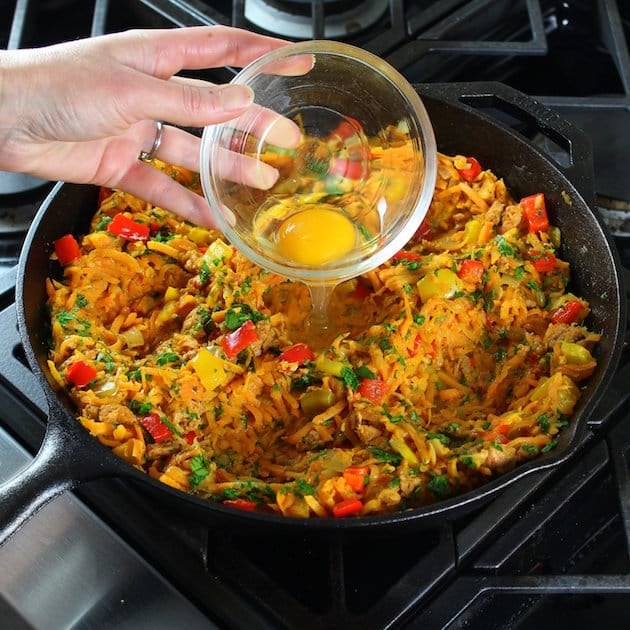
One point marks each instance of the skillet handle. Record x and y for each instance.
(65, 460)
(566, 145)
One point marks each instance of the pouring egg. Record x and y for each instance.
(353, 158)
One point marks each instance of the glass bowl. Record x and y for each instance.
(329, 172)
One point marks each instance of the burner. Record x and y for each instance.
(19, 203)
(616, 214)
(296, 18)
(14, 183)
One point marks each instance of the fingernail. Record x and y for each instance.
(235, 96)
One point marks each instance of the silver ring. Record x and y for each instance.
(147, 156)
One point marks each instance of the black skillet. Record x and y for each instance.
(471, 119)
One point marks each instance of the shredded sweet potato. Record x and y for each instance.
(455, 361)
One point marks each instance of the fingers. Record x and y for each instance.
(241, 169)
(154, 186)
(164, 52)
(182, 148)
(259, 121)
(154, 55)
(269, 126)
(178, 147)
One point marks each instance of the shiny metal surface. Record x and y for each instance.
(67, 569)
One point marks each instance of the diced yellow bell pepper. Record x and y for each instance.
(209, 368)
(199, 236)
(168, 312)
(472, 229)
(440, 283)
(400, 446)
(397, 189)
(329, 366)
(171, 293)
(218, 253)
(575, 354)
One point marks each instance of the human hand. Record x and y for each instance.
(84, 111)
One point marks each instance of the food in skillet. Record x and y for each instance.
(461, 358)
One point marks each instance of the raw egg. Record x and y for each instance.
(315, 236)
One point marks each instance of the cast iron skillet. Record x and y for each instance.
(468, 119)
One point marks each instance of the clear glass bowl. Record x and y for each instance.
(329, 172)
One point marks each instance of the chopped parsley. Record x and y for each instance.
(468, 460)
(505, 249)
(439, 485)
(302, 489)
(549, 447)
(167, 357)
(440, 437)
(140, 408)
(363, 371)
(350, 378)
(107, 359)
(240, 313)
(388, 457)
(199, 470)
(204, 272)
(543, 422)
(530, 448)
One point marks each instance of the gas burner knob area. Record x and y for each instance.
(295, 18)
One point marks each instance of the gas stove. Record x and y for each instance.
(552, 549)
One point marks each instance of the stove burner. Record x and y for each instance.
(616, 215)
(297, 18)
(14, 183)
(17, 210)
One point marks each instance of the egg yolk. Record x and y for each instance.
(315, 236)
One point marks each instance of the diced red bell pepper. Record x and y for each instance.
(414, 347)
(470, 173)
(190, 436)
(103, 193)
(543, 261)
(297, 353)
(567, 313)
(405, 256)
(239, 339)
(423, 233)
(355, 477)
(373, 389)
(80, 373)
(67, 249)
(346, 168)
(471, 271)
(498, 434)
(347, 128)
(156, 428)
(128, 229)
(360, 291)
(241, 504)
(347, 507)
(535, 211)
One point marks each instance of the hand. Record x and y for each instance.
(83, 111)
